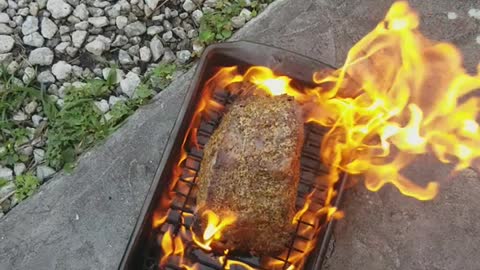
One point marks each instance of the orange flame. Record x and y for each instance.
(171, 246)
(406, 103)
(214, 227)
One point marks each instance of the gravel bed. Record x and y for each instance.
(57, 44)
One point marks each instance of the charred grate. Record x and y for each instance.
(185, 194)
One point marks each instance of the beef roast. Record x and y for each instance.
(251, 168)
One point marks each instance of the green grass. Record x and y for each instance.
(216, 26)
(13, 134)
(72, 128)
(162, 75)
(26, 185)
(78, 125)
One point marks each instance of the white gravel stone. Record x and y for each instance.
(33, 7)
(168, 57)
(82, 25)
(72, 51)
(237, 21)
(3, 5)
(183, 56)
(48, 28)
(5, 29)
(25, 150)
(198, 47)
(6, 173)
(31, 107)
(20, 116)
(192, 33)
(130, 84)
(41, 56)
(19, 168)
(179, 32)
(120, 41)
(4, 18)
(78, 37)
(154, 29)
(451, 15)
(30, 25)
(98, 21)
(38, 155)
(121, 22)
(210, 3)
(159, 18)
(156, 46)
(23, 12)
(247, 14)
(44, 172)
(197, 16)
(59, 8)
(34, 40)
(64, 29)
(61, 47)
(152, 4)
(112, 100)
(189, 5)
(183, 15)
(124, 58)
(45, 77)
(478, 39)
(105, 41)
(81, 12)
(12, 67)
(135, 29)
(145, 54)
(28, 75)
(96, 47)
(61, 70)
(36, 119)
(167, 36)
(60, 103)
(474, 13)
(42, 4)
(113, 11)
(119, 74)
(102, 106)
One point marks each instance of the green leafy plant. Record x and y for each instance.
(162, 75)
(77, 125)
(26, 185)
(216, 25)
(13, 97)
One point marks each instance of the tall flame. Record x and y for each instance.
(398, 96)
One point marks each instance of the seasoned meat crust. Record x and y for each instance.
(251, 168)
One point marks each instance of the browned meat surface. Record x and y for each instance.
(251, 168)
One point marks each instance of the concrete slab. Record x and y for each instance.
(83, 221)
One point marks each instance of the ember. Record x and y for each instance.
(380, 116)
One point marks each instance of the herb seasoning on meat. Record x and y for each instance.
(251, 168)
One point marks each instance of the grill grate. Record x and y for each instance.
(185, 192)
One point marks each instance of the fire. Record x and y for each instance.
(406, 102)
(213, 230)
(172, 245)
(398, 96)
